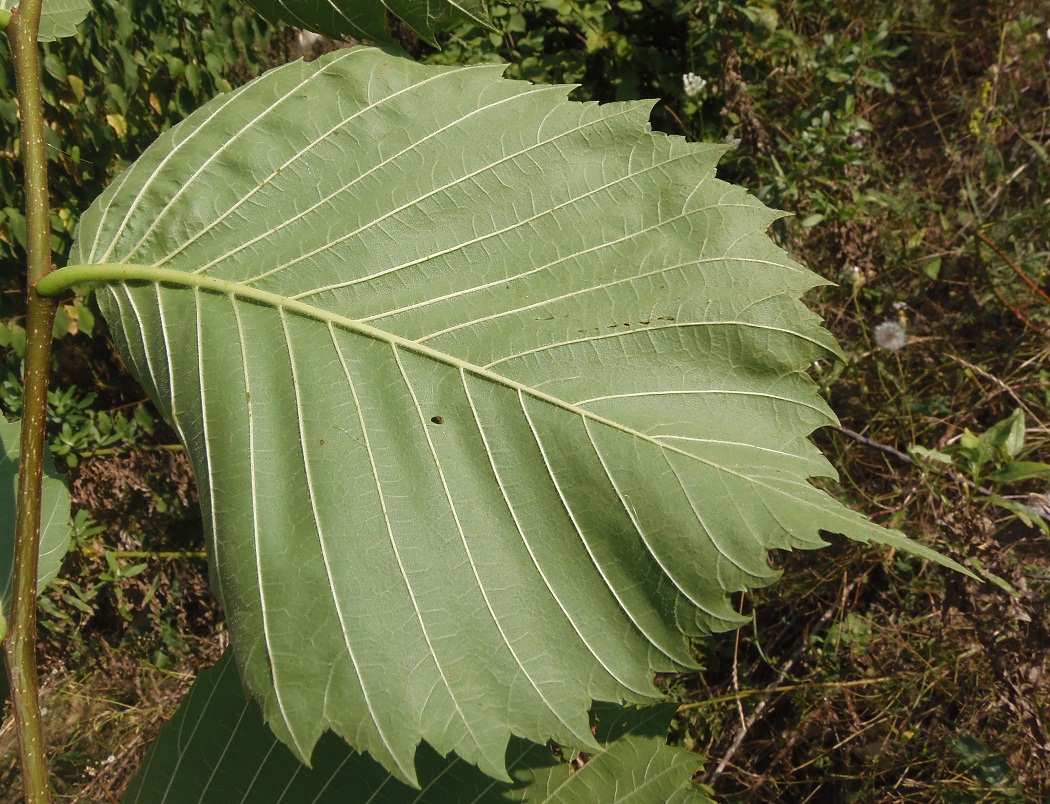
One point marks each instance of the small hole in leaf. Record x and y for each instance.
(437, 420)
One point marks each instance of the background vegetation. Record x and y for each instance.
(909, 144)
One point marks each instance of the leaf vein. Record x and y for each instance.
(214, 155)
(528, 547)
(256, 529)
(579, 531)
(288, 163)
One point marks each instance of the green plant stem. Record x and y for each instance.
(21, 639)
(177, 555)
(129, 448)
(808, 686)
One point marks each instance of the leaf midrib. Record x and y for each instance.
(58, 281)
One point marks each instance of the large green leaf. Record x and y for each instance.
(217, 749)
(492, 397)
(54, 517)
(58, 18)
(367, 19)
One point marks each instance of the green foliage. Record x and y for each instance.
(996, 782)
(547, 350)
(620, 51)
(368, 19)
(78, 428)
(130, 72)
(82, 430)
(217, 746)
(994, 457)
(54, 517)
(750, 64)
(111, 598)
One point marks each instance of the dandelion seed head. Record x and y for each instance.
(890, 335)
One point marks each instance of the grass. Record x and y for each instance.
(910, 144)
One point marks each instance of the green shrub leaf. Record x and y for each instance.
(54, 515)
(58, 18)
(218, 749)
(492, 397)
(367, 19)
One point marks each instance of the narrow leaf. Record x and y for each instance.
(492, 397)
(217, 749)
(1021, 470)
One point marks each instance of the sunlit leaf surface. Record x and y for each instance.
(492, 397)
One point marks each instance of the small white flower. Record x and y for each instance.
(733, 142)
(693, 84)
(890, 335)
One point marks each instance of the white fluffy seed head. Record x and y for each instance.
(890, 335)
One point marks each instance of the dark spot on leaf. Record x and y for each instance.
(322, 442)
(437, 420)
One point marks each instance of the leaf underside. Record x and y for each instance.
(217, 749)
(367, 19)
(58, 18)
(54, 515)
(492, 397)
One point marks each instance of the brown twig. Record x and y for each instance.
(1021, 315)
(767, 694)
(1016, 268)
(1003, 386)
(896, 453)
(903, 456)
